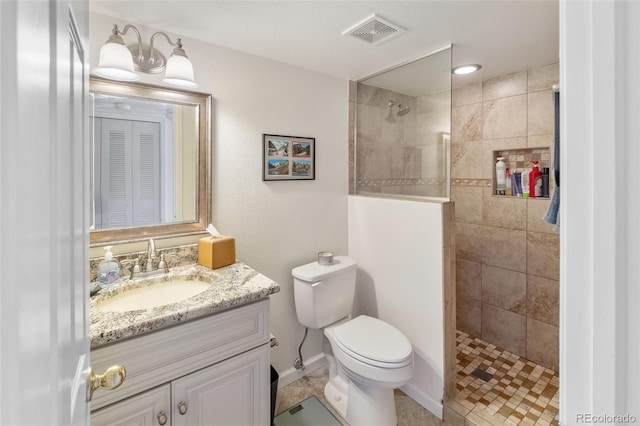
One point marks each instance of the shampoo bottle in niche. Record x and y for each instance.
(109, 269)
(545, 182)
(535, 181)
(500, 176)
(525, 183)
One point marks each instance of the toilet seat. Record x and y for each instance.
(373, 342)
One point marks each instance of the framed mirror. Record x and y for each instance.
(150, 161)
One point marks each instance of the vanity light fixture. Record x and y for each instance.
(465, 69)
(118, 61)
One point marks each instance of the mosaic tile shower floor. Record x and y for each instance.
(519, 392)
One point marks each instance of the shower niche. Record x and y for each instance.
(400, 137)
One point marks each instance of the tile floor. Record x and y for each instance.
(409, 412)
(519, 392)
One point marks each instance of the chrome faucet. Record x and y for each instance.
(151, 255)
(150, 268)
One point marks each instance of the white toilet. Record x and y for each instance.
(367, 357)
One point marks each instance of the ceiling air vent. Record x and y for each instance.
(374, 30)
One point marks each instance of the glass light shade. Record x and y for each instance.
(116, 63)
(179, 72)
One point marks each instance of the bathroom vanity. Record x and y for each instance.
(200, 361)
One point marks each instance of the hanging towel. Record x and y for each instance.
(552, 216)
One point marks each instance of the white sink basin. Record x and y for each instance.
(152, 296)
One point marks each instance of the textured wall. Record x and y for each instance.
(507, 256)
(277, 225)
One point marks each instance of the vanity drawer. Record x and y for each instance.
(164, 355)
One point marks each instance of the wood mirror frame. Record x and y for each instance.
(203, 175)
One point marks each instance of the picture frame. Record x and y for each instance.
(288, 158)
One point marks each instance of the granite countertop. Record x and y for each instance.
(232, 286)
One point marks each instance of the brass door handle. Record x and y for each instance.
(112, 378)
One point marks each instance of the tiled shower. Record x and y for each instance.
(507, 257)
(403, 130)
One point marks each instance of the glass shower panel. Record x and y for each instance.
(403, 123)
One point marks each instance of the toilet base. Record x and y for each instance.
(361, 405)
(336, 393)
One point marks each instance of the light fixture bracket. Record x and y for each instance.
(148, 63)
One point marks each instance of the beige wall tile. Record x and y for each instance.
(468, 278)
(431, 160)
(543, 255)
(503, 212)
(449, 224)
(504, 86)
(469, 315)
(468, 203)
(373, 163)
(505, 289)
(368, 123)
(433, 102)
(504, 329)
(465, 95)
(371, 95)
(542, 344)
(353, 90)
(405, 163)
(504, 248)
(465, 160)
(469, 241)
(543, 297)
(450, 361)
(430, 126)
(540, 113)
(391, 130)
(536, 210)
(544, 77)
(540, 141)
(505, 118)
(466, 123)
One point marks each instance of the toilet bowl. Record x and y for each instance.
(371, 359)
(367, 357)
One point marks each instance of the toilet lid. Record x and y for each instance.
(369, 338)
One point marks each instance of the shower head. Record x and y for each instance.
(403, 109)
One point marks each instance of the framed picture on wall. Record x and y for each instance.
(288, 158)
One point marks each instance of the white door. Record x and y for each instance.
(128, 165)
(44, 225)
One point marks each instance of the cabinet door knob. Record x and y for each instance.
(110, 379)
(182, 408)
(162, 418)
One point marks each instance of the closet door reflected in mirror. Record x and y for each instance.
(150, 163)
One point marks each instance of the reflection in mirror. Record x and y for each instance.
(149, 165)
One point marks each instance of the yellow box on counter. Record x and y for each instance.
(216, 252)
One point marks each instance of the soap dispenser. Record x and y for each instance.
(109, 269)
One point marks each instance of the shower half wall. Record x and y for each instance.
(400, 218)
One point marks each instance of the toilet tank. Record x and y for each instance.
(324, 293)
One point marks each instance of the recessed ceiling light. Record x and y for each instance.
(466, 69)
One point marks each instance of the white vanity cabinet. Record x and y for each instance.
(210, 371)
